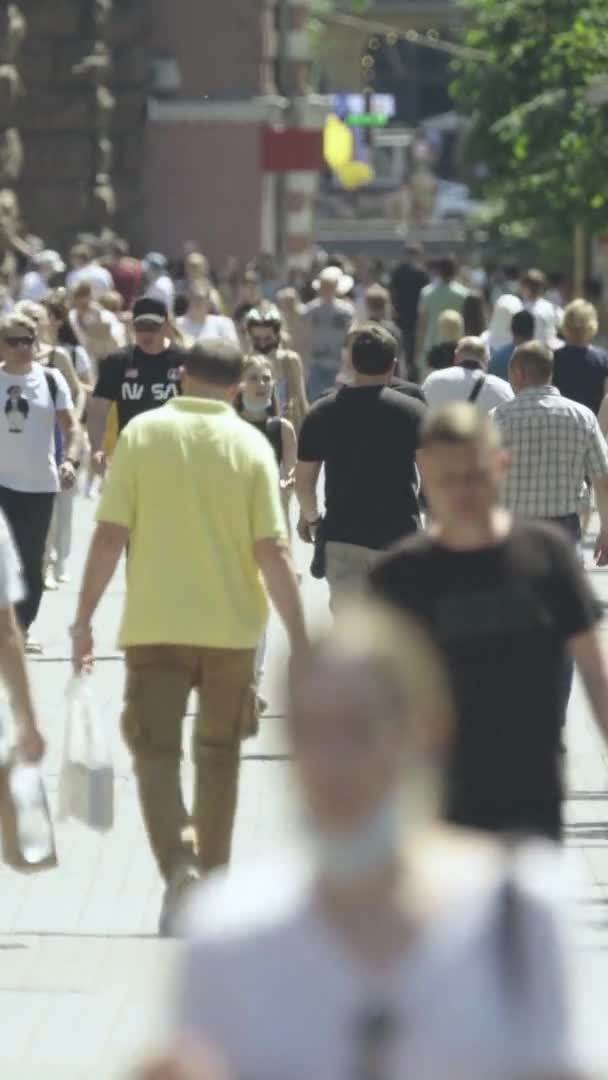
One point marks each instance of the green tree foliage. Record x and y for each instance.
(544, 145)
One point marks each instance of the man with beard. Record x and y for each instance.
(264, 330)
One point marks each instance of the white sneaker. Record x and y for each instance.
(63, 577)
(50, 581)
(182, 880)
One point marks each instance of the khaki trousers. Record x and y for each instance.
(159, 681)
(346, 569)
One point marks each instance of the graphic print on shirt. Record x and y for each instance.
(16, 410)
(134, 391)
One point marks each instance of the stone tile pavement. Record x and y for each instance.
(81, 968)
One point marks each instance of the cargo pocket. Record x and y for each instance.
(250, 714)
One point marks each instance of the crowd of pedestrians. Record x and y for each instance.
(443, 435)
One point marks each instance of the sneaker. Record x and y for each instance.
(50, 581)
(182, 880)
(63, 577)
(32, 647)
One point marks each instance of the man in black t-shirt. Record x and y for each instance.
(137, 378)
(506, 602)
(366, 436)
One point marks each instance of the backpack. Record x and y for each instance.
(51, 382)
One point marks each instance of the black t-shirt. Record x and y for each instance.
(580, 373)
(367, 437)
(137, 381)
(501, 616)
(407, 282)
(410, 389)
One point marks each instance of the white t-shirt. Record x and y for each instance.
(12, 589)
(457, 383)
(34, 286)
(547, 321)
(268, 984)
(214, 326)
(96, 276)
(162, 289)
(27, 429)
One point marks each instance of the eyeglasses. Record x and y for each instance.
(17, 342)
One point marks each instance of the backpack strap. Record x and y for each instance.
(51, 382)
(476, 391)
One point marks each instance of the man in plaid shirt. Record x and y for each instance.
(555, 445)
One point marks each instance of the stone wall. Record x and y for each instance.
(84, 85)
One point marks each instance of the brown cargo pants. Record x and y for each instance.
(159, 681)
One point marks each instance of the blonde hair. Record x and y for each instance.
(17, 320)
(451, 326)
(459, 424)
(580, 323)
(400, 656)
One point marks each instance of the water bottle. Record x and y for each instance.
(34, 832)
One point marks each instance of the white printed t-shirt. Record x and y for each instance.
(12, 590)
(27, 429)
(214, 326)
(269, 985)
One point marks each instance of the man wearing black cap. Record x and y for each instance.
(137, 378)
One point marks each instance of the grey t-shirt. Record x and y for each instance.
(326, 326)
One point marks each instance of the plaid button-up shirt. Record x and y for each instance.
(555, 444)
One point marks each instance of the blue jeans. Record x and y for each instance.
(570, 524)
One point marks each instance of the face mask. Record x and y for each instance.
(255, 405)
(346, 857)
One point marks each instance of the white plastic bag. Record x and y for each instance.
(86, 780)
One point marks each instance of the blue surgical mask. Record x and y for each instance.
(346, 857)
(255, 405)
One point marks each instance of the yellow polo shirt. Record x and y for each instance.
(196, 486)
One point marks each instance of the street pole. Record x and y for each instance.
(284, 88)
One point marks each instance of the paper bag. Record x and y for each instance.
(86, 780)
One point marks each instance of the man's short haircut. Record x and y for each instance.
(472, 350)
(373, 350)
(535, 359)
(522, 325)
(82, 251)
(215, 361)
(459, 424)
(377, 296)
(446, 267)
(535, 281)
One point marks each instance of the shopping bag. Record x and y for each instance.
(86, 779)
(28, 840)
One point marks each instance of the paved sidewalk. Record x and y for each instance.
(81, 967)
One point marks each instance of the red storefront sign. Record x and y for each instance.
(291, 150)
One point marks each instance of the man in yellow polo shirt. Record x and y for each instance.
(194, 491)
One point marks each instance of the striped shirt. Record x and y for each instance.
(555, 444)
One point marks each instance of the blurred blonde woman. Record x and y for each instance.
(451, 331)
(580, 369)
(384, 944)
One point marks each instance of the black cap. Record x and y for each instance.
(150, 309)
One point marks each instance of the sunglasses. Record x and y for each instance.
(16, 342)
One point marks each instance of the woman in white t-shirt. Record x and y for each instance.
(198, 322)
(390, 947)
